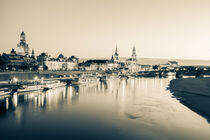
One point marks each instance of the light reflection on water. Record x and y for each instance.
(137, 108)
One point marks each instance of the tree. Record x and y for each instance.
(4, 60)
(24, 66)
(35, 67)
(45, 67)
(155, 67)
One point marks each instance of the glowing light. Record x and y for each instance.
(7, 103)
(14, 80)
(36, 78)
(15, 99)
(42, 80)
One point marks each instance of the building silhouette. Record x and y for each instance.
(22, 47)
(133, 56)
(131, 62)
(115, 57)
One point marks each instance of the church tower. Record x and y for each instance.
(22, 47)
(112, 59)
(32, 54)
(22, 37)
(116, 55)
(133, 56)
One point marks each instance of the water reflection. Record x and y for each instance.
(140, 107)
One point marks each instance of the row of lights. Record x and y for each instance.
(36, 78)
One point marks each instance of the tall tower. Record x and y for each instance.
(133, 56)
(112, 59)
(22, 37)
(32, 54)
(22, 47)
(116, 55)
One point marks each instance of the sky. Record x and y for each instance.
(92, 28)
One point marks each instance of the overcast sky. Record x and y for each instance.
(92, 28)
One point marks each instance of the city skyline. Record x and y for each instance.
(159, 29)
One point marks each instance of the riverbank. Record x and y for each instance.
(194, 93)
(29, 75)
(44, 72)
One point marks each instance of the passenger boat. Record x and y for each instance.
(5, 91)
(147, 74)
(188, 76)
(49, 84)
(124, 77)
(115, 76)
(29, 88)
(168, 74)
(85, 80)
(106, 78)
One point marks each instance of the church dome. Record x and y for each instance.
(20, 51)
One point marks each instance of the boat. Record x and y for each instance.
(188, 76)
(5, 91)
(49, 84)
(124, 77)
(166, 74)
(29, 88)
(85, 80)
(147, 74)
(115, 76)
(106, 78)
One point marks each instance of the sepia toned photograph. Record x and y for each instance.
(104, 69)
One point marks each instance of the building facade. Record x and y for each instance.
(20, 58)
(59, 63)
(131, 63)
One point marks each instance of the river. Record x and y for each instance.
(137, 108)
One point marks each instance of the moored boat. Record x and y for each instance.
(29, 88)
(85, 80)
(5, 91)
(106, 78)
(124, 77)
(49, 84)
(166, 74)
(147, 74)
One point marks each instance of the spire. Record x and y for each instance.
(134, 53)
(115, 56)
(134, 50)
(22, 37)
(32, 51)
(116, 51)
(32, 54)
(22, 33)
(112, 58)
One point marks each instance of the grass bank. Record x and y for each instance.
(194, 93)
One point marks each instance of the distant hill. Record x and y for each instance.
(156, 61)
(185, 62)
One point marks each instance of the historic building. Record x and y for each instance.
(60, 63)
(94, 65)
(170, 65)
(131, 63)
(132, 59)
(22, 47)
(20, 57)
(115, 56)
(114, 62)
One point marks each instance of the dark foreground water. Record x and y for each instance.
(138, 108)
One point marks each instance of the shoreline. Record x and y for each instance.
(193, 93)
(4, 76)
(47, 72)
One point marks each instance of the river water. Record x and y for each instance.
(137, 108)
